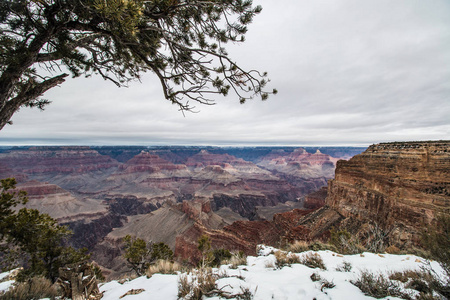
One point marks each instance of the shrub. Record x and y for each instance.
(163, 267)
(392, 250)
(315, 277)
(202, 283)
(318, 246)
(326, 284)
(98, 272)
(421, 281)
(245, 294)
(406, 275)
(436, 239)
(376, 238)
(161, 251)
(34, 288)
(238, 259)
(285, 259)
(204, 246)
(298, 247)
(377, 285)
(419, 285)
(140, 255)
(344, 267)
(344, 242)
(219, 255)
(313, 260)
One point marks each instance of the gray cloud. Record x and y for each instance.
(348, 72)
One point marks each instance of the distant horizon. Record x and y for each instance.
(231, 145)
(185, 145)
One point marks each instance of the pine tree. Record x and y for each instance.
(182, 42)
(31, 238)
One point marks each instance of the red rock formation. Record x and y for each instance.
(204, 158)
(245, 235)
(146, 162)
(316, 199)
(36, 189)
(59, 203)
(297, 158)
(186, 244)
(7, 172)
(394, 184)
(307, 172)
(72, 160)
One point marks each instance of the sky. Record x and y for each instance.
(348, 72)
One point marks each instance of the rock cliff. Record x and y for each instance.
(307, 171)
(59, 203)
(401, 186)
(68, 167)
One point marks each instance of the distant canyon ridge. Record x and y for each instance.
(165, 194)
(239, 197)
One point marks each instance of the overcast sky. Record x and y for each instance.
(349, 72)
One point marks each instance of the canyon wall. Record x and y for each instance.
(402, 185)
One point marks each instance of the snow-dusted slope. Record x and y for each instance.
(264, 281)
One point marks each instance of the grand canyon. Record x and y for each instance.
(238, 197)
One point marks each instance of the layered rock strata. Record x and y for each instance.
(59, 203)
(400, 186)
(316, 199)
(306, 171)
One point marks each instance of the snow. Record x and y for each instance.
(264, 281)
(287, 283)
(157, 287)
(5, 285)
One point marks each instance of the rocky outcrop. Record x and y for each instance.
(398, 185)
(186, 245)
(395, 188)
(306, 171)
(316, 199)
(59, 203)
(246, 204)
(284, 228)
(300, 163)
(147, 162)
(69, 167)
(205, 158)
(154, 180)
(171, 224)
(7, 172)
(37, 160)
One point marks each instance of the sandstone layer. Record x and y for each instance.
(59, 203)
(401, 186)
(306, 171)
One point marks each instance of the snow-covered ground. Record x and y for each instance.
(294, 282)
(264, 281)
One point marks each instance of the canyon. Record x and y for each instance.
(238, 197)
(166, 194)
(391, 191)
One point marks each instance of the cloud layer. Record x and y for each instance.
(347, 71)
